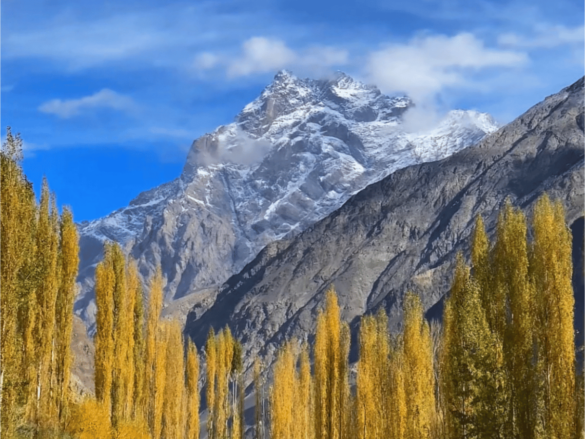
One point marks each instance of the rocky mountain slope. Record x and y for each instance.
(289, 159)
(402, 233)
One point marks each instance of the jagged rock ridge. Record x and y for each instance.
(289, 159)
(403, 232)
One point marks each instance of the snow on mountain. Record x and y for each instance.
(290, 158)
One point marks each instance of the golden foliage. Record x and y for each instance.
(152, 324)
(551, 271)
(192, 392)
(172, 417)
(90, 420)
(282, 394)
(420, 383)
(38, 267)
(503, 364)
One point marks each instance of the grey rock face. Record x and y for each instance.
(291, 157)
(403, 232)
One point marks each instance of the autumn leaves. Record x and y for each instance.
(39, 259)
(501, 366)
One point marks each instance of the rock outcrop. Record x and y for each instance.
(403, 232)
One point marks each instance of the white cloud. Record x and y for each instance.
(72, 107)
(179, 133)
(263, 55)
(545, 37)
(426, 66)
(206, 61)
(241, 148)
(166, 36)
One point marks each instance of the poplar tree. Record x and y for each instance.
(344, 392)
(151, 351)
(304, 406)
(480, 262)
(17, 223)
(381, 355)
(224, 343)
(259, 399)
(472, 358)
(104, 338)
(31, 273)
(129, 373)
(192, 392)
(69, 262)
(120, 336)
(332, 314)
(373, 387)
(321, 378)
(368, 404)
(159, 379)
(329, 370)
(211, 364)
(419, 370)
(396, 397)
(282, 394)
(90, 420)
(238, 396)
(47, 244)
(551, 271)
(139, 395)
(172, 416)
(510, 277)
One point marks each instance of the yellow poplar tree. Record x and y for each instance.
(368, 405)
(551, 271)
(47, 260)
(172, 417)
(418, 357)
(259, 400)
(330, 370)
(396, 397)
(304, 407)
(224, 343)
(151, 351)
(90, 420)
(121, 320)
(192, 392)
(211, 364)
(282, 394)
(104, 339)
(17, 223)
(159, 379)
(472, 362)
(129, 373)
(480, 262)
(69, 262)
(321, 381)
(139, 395)
(510, 262)
(238, 391)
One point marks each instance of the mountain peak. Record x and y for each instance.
(291, 157)
(284, 75)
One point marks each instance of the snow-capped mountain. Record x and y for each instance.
(290, 158)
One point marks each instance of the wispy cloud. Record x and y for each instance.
(152, 36)
(424, 67)
(104, 98)
(545, 37)
(178, 133)
(260, 55)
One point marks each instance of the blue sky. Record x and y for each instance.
(109, 95)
